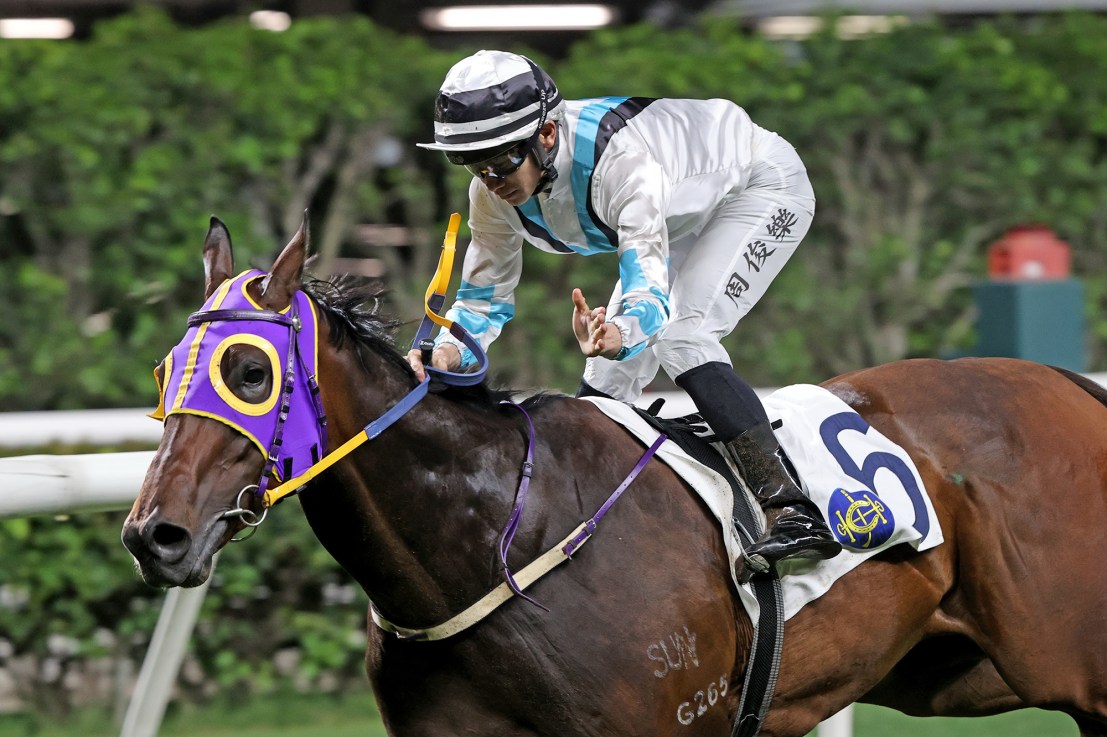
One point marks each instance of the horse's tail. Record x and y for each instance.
(1093, 388)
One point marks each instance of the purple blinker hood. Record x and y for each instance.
(193, 383)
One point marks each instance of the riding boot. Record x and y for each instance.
(733, 410)
(796, 528)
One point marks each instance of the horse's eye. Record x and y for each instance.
(254, 377)
(243, 371)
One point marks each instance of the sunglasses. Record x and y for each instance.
(500, 166)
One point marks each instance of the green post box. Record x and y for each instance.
(1037, 320)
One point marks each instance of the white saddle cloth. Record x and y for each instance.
(867, 487)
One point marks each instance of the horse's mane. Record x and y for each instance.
(352, 306)
(1091, 387)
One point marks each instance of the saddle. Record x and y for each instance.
(692, 435)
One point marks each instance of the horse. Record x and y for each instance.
(641, 633)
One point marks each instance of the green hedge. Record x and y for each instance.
(114, 152)
(923, 144)
(73, 612)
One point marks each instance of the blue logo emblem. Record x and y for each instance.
(859, 519)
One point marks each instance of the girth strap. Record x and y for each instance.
(763, 665)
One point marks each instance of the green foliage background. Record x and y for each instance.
(923, 145)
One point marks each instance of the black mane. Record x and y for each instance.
(352, 307)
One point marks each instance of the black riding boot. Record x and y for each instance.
(735, 413)
(796, 528)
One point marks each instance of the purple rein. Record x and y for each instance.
(508, 534)
(298, 372)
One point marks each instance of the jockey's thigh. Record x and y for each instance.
(730, 264)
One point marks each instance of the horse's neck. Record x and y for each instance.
(414, 514)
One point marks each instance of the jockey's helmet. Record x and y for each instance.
(489, 103)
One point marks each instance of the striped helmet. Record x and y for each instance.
(490, 101)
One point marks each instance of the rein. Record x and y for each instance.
(514, 584)
(435, 297)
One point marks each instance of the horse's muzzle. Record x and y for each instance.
(164, 553)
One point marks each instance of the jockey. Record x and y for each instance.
(702, 208)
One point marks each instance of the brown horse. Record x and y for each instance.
(643, 635)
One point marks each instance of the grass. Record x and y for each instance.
(355, 715)
(875, 721)
(284, 715)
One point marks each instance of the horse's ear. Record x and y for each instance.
(218, 256)
(287, 274)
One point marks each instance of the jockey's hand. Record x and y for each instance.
(596, 336)
(446, 357)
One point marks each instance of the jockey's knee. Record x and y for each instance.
(680, 354)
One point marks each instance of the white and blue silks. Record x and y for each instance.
(687, 193)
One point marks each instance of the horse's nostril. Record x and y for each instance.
(168, 535)
(169, 542)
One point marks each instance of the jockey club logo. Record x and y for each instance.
(860, 520)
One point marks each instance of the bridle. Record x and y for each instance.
(295, 367)
(293, 484)
(293, 359)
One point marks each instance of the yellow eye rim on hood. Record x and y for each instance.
(216, 375)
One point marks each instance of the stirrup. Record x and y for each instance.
(752, 565)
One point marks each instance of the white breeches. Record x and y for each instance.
(719, 274)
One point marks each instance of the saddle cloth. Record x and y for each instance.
(867, 487)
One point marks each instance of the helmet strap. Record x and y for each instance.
(545, 160)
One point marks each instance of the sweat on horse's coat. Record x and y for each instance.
(1009, 612)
